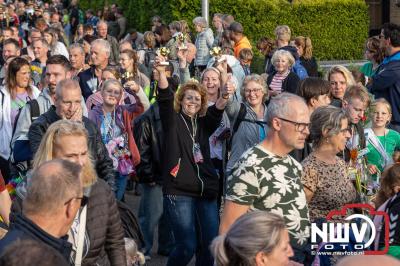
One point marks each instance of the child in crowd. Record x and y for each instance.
(388, 200)
(245, 58)
(133, 256)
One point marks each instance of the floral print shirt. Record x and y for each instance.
(268, 182)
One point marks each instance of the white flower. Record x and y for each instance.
(272, 200)
(265, 174)
(279, 171)
(253, 160)
(295, 219)
(238, 168)
(277, 211)
(301, 236)
(300, 201)
(250, 178)
(240, 189)
(283, 186)
(263, 191)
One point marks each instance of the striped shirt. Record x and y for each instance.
(277, 80)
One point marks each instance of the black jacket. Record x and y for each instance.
(104, 228)
(310, 65)
(191, 179)
(149, 136)
(23, 228)
(290, 83)
(88, 82)
(103, 163)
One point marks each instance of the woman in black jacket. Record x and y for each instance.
(190, 180)
(308, 61)
(283, 79)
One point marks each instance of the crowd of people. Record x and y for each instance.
(232, 166)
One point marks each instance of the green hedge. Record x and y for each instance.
(338, 28)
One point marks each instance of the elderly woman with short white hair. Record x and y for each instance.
(283, 79)
(204, 42)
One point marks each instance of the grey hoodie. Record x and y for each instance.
(246, 136)
(24, 120)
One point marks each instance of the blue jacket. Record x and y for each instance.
(23, 228)
(386, 84)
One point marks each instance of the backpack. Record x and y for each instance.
(148, 61)
(21, 152)
(299, 69)
(149, 57)
(239, 119)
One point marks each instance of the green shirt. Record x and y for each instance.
(390, 142)
(267, 182)
(367, 70)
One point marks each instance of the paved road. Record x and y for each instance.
(133, 201)
(156, 260)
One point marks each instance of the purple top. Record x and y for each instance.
(17, 104)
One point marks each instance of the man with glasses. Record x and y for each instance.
(355, 102)
(386, 81)
(53, 198)
(267, 178)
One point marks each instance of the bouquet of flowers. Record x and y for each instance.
(366, 187)
(120, 155)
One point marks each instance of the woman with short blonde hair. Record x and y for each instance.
(283, 79)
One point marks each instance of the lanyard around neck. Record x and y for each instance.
(192, 135)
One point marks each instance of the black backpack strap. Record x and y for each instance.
(239, 118)
(35, 111)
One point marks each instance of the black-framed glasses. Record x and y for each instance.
(299, 127)
(84, 200)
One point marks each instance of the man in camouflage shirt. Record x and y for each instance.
(267, 178)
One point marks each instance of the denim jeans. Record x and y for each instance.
(150, 215)
(120, 183)
(195, 224)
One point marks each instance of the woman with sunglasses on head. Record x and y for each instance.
(114, 122)
(374, 54)
(325, 179)
(103, 242)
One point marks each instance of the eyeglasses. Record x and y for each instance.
(249, 91)
(299, 127)
(84, 200)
